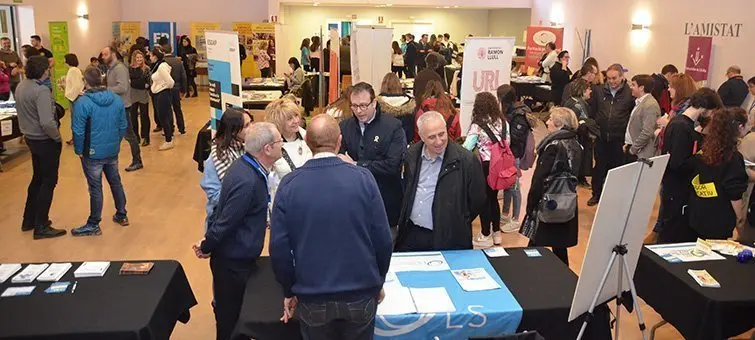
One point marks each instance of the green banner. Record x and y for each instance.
(59, 48)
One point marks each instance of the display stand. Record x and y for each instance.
(623, 242)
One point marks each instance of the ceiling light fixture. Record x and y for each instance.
(83, 16)
(643, 27)
(388, 5)
(315, 4)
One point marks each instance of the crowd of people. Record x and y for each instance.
(109, 101)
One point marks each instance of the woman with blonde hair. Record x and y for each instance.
(558, 153)
(140, 77)
(286, 116)
(394, 101)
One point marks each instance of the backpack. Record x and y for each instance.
(528, 160)
(503, 171)
(559, 201)
(522, 139)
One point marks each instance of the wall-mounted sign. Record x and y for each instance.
(713, 29)
(698, 57)
(380, 20)
(537, 38)
(273, 18)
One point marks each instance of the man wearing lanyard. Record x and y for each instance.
(236, 231)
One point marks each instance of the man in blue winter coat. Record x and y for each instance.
(98, 125)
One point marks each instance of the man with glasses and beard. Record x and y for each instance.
(375, 141)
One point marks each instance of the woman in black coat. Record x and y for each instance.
(560, 145)
(560, 76)
(189, 57)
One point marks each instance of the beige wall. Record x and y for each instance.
(510, 22)
(86, 37)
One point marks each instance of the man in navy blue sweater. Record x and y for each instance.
(236, 231)
(331, 258)
(375, 141)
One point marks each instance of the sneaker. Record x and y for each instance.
(482, 241)
(593, 201)
(123, 221)
(134, 167)
(157, 129)
(511, 227)
(87, 230)
(47, 232)
(497, 238)
(166, 146)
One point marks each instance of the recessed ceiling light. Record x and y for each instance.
(315, 4)
(446, 6)
(388, 5)
(456, 6)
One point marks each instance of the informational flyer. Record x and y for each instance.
(684, 252)
(418, 262)
(475, 279)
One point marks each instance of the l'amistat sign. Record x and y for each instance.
(713, 29)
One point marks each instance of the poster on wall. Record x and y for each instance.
(698, 57)
(537, 38)
(487, 64)
(369, 60)
(59, 46)
(125, 34)
(224, 73)
(263, 38)
(196, 33)
(158, 30)
(249, 66)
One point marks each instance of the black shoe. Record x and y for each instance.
(123, 221)
(145, 142)
(30, 228)
(47, 232)
(593, 201)
(583, 183)
(196, 94)
(134, 167)
(157, 129)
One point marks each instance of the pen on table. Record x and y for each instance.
(73, 290)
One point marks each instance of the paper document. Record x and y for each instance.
(418, 262)
(496, 252)
(29, 273)
(432, 300)
(391, 278)
(475, 279)
(18, 291)
(54, 272)
(91, 269)
(728, 247)
(684, 252)
(703, 278)
(7, 270)
(398, 300)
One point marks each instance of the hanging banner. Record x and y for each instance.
(158, 30)
(537, 38)
(249, 67)
(196, 33)
(125, 34)
(487, 65)
(224, 73)
(60, 47)
(698, 57)
(369, 61)
(263, 37)
(335, 48)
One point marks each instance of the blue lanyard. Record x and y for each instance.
(253, 162)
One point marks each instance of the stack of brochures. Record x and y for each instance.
(29, 273)
(55, 272)
(91, 269)
(7, 270)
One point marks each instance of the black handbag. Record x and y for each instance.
(559, 201)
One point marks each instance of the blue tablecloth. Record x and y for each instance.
(482, 313)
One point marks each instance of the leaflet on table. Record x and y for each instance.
(432, 300)
(29, 273)
(18, 291)
(91, 269)
(58, 287)
(7, 270)
(684, 252)
(398, 300)
(703, 278)
(54, 272)
(418, 262)
(728, 247)
(475, 279)
(496, 252)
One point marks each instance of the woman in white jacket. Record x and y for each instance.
(286, 115)
(74, 82)
(162, 83)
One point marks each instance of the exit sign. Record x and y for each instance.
(18, 1)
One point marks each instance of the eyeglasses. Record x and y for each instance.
(361, 107)
(276, 142)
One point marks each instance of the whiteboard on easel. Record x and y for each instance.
(608, 230)
(370, 54)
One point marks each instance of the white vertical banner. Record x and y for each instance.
(224, 72)
(370, 54)
(487, 65)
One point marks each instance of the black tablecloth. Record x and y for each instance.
(110, 307)
(697, 312)
(261, 87)
(543, 286)
(533, 90)
(15, 130)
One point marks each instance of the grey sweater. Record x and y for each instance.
(36, 111)
(119, 81)
(177, 71)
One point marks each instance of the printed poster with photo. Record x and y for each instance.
(197, 30)
(249, 67)
(125, 34)
(263, 36)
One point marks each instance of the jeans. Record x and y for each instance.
(93, 169)
(608, 155)
(45, 161)
(165, 111)
(490, 216)
(140, 112)
(513, 196)
(175, 94)
(133, 141)
(337, 319)
(229, 279)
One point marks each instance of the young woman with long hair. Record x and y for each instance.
(189, 56)
(162, 83)
(397, 60)
(394, 101)
(435, 98)
(305, 55)
(316, 53)
(487, 119)
(139, 74)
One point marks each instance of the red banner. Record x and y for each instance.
(537, 38)
(698, 57)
